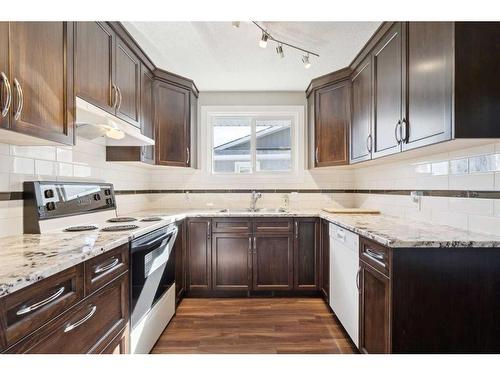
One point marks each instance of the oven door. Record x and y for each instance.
(153, 270)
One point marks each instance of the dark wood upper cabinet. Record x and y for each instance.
(332, 121)
(127, 81)
(306, 254)
(388, 90)
(199, 254)
(40, 76)
(361, 88)
(375, 319)
(5, 84)
(232, 261)
(172, 125)
(94, 64)
(430, 84)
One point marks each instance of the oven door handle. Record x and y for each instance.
(157, 240)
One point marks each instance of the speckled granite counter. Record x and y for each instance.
(25, 259)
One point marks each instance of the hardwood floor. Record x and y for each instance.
(253, 325)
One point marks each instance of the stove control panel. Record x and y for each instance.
(56, 199)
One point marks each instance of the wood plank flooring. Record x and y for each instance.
(253, 325)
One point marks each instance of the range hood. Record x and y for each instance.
(94, 123)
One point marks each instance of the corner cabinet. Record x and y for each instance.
(36, 66)
(172, 124)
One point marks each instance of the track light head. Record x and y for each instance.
(305, 60)
(279, 51)
(263, 40)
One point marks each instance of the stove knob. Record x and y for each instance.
(97, 197)
(109, 201)
(49, 193)
(107, 191)
(50, 206)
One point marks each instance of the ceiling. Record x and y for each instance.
(221, 57)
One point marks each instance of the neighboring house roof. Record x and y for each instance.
(245, 139)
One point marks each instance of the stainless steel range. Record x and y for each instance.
(91, 207)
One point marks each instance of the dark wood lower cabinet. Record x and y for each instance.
(306, 254)
(272, 266)
(120, 344)
(324, 274)
(199, 254)
(374, 315)
(231, 261)
(180, 262)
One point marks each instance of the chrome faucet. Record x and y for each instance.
(254, 199)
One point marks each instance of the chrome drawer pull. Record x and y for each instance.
(72, 326)
(357, 279)
(44, 302)
(376, 257)
(100, 268)
(20, 101)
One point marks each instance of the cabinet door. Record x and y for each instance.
(273, 262)
(306, 254)
(127, 81)
(147, 124)
(199, 254)
(94, 57)
(5, 80)
(374, 336)
(388, 92)
(430, 84)
(180, 263)
(332, 124)
(232, 261)
(172, 125)
(41, 66)
(361, 112)
(325, 260)
(193, 133)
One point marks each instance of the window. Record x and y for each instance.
(251, 144)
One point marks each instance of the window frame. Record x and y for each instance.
(294, 113)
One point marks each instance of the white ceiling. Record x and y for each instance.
(220, 57)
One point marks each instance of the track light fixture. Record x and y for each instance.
(263, 40)
(305, 60)
(279, 49)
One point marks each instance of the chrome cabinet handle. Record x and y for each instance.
(188, 155)
(115, 96)
(41, 303)
(368, 143)
(20, 102)
(357, 279)
(404, 130)
(8, 100)
(396, 131)
(316, 155)
(121, 98)
(296, 229)
(72, 326)
(100, 268)
(250, 244)
(208, 230)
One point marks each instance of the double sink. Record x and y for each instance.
(261, 210)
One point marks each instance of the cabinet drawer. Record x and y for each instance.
(30, 308)
(267, 225)
(231, 225)
(87, 328)
(375, 255)
(104, 268)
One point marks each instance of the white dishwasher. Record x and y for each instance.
(344, 266)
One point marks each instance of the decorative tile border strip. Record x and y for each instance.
(482, 194)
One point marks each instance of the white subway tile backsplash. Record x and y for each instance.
(22, 166)
(45, 168)
(65, 169)
(476, 181)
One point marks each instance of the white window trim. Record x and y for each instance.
(295, 112)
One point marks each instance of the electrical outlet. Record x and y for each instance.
(416, 197)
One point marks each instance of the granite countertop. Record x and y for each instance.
(28, 258)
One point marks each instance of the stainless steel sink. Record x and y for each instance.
(248, 210)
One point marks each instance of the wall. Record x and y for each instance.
(83, 162)
(470, 169)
